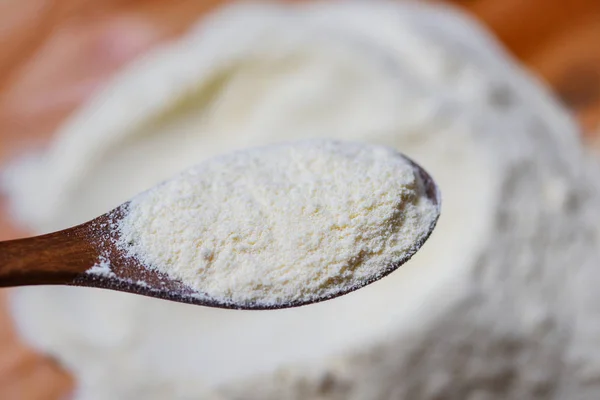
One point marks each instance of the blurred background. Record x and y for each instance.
(54, 54)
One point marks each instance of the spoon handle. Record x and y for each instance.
(55, 258)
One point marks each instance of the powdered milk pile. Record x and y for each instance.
(500, 303)
(279, 224)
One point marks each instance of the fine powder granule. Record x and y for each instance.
(500, 304)
(284, 223)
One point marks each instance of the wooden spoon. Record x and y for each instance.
(67, 257)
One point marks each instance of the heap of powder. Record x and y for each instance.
(293, 222)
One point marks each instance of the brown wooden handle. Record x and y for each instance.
(55, 258)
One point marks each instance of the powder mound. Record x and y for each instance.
(284, 223)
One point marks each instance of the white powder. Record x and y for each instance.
(501, 302)
(288, 223)
(102, 268)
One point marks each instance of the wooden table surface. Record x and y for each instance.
(56, 53)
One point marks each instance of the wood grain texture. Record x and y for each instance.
(54, 54)
(52, 259)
